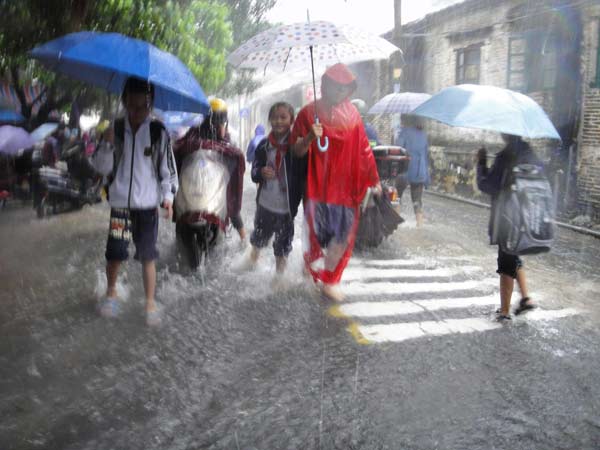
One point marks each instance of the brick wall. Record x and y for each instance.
(431, 45)
(588, 163)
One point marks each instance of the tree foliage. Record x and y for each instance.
(197, 31)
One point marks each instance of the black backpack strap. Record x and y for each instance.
(156, 130)
(119, 128)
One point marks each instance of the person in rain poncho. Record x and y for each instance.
(259, 135)
(212, 134)
(337, 179)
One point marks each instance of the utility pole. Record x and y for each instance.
(397, 21)
(396, 59)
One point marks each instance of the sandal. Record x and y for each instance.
(109, 307)
(524, 306)
(503, 318)
(154, 317)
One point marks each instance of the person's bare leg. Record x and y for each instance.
(280, 264)
(149, 275)
(254, 253)
(335, 251)
(522, 282)
(112, 273)
(506, 289)
(419, 219)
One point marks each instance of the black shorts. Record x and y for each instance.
(331, 222)
(142, 225)
(267, 223)
(508, 264)
(416, 192)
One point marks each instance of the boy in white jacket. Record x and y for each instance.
(136, 155)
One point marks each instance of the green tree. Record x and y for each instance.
(197, 31)
(248, 19)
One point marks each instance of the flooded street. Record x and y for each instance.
(239, 365)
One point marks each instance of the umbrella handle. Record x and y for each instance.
(325, 146)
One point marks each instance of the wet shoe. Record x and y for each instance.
(524, 306)
(109, 308)
(154, 317)
(332, 292)
(245, 265)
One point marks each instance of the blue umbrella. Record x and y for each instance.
(489, 108)
(399, 102)
(6, 115)
(106, 60)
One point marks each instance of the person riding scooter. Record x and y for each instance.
(211, 183)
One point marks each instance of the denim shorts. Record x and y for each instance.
(139, 224)
(267, 223)
(508, 264)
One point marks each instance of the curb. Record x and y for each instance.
(568, 226)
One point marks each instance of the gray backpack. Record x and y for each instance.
(524, 219)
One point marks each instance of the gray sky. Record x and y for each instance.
(376, 16)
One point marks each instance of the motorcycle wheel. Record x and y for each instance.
(188, 245)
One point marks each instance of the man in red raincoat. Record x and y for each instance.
(337, 179)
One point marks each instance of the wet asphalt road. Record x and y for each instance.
(238, 365)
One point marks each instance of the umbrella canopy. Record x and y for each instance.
(399, 102)
(13, 139)
(7, 115)
(43, 131)
(106, 60)
(287, 46)
(489, 108)
(176, 119)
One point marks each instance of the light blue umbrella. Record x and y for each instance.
(489, 108)
(176, 119)
(399, 102)
(106, 60)
(7, 115)
(43, 131)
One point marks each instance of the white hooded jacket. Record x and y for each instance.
(136, 184)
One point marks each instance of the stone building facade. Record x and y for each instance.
(547, 49)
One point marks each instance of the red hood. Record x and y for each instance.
(340, 74)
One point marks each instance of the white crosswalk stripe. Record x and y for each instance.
(355, 273)
(389, 288)
(398, 332)
(384, 299)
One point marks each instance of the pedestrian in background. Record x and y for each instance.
(370, 130)
(492, 181)
(142, 177)
(259, 135)
(412, 138)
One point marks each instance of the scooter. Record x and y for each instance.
(392, 161)
(70, 185)
(201, 205)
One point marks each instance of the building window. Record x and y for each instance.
(532, 62)
(468, 62)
